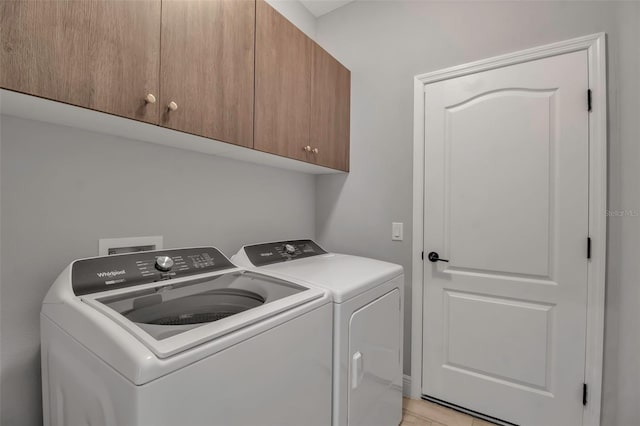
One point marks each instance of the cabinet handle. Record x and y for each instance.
(150, 99)
(315, 150)
(307, 148)
(172, 106)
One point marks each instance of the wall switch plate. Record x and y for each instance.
(396, 231)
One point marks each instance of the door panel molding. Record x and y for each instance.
(491, 94)
(595, 46)
(470, 158)
(540, 316)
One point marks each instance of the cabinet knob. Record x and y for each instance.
(315, 150)
(307, 148)
(150, 99)
(172, 106)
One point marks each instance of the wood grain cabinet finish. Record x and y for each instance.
(330, 110)
(207, 68)
(283, 85)
(103, 55)
(232, 70)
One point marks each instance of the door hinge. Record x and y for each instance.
(588, 247)
(584, 394)
(589, 100)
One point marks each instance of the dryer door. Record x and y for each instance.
(375, 370)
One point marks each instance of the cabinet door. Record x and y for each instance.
(330, 110)
(102, 55)
(283, 85)
(207, 68)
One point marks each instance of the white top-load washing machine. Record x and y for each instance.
(183, 337)
(367, 331)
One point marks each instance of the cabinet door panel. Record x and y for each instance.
(283, 85)
(102, 55)
(330, 110)
(208, 68)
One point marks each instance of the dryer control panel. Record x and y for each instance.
(125, 270)
(282, 251)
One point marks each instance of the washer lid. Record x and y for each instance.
(344, 275)
(172, 316)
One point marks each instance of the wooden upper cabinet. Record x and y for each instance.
(103, 55)
(283, 85)
(330, 110)
(232, 70)
(207, 68)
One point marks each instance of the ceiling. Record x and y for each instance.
(321, 7)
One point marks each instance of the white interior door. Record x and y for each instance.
(506, 203)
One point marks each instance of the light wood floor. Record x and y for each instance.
(424, 413)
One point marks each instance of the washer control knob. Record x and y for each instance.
(289, 248)
(164, 263)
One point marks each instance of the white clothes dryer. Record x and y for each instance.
(183, 337)
(367, 329)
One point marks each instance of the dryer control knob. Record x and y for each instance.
(289, 248)
(164, 263)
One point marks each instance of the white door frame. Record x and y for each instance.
(595, 47)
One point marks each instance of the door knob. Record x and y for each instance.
(150, 99)
(307, 148)
(172, 106)
(435, 257)
(315, 150)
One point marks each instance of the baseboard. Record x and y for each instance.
(406, 386)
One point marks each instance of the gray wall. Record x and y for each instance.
(295, 12)
(385, 44)
(63, 189)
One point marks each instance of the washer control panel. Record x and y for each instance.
(282, 251)
(125, 270)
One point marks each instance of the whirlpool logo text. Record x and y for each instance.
(111, 274)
